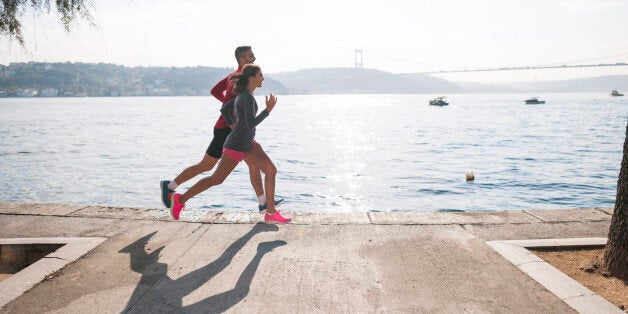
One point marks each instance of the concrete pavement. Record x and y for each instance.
(322, 262)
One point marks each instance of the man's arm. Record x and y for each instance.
(226, 110)
(219, 90)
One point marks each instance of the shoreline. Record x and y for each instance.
(374, 218)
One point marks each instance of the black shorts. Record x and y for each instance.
(215, 147)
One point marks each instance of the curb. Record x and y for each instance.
(579, 297)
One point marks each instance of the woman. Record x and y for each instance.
(241, 145)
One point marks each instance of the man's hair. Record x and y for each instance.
(240, 51)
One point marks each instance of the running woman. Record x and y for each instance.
(241, 145)
(223, 91)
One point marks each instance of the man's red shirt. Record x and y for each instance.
(223, 91)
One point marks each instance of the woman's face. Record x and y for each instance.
(257, 79)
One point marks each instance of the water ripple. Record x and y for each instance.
(112, 152)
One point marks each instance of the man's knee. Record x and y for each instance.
(255, 173)
(270, 170)
(206, 164)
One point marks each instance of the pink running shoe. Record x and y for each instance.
(276, 218)
(177, 207)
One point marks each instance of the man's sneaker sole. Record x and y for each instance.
(263, 208)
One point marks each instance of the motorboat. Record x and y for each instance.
(614, 92)
(534, 101)
(439, 101)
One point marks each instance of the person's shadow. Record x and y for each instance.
(157, 292)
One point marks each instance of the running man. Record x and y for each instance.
(223, 91)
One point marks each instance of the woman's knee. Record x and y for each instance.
(220, 181)
(217, 180)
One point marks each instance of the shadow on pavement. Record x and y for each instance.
(157, 292)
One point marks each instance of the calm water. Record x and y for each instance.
(333, 152)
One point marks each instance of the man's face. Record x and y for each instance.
(247, 57)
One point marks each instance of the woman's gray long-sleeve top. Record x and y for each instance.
(245, 108)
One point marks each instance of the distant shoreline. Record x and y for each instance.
(25, 80)
(604, 93)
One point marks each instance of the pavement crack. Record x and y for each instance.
(532, 262)
(193, 244)
(76, 211)
(535, 216)
(578, 296)
(200, 225)
(56, 257)
(603, 210)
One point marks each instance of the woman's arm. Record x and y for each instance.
(248, 109)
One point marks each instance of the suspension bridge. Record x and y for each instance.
(562, 65)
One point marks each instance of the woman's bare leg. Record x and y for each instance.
(257, 157)
(225, 167)
(256, 179)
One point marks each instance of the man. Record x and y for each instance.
(223, 91)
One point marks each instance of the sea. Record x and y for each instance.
(334, 153)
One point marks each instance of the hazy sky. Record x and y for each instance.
(397, 36)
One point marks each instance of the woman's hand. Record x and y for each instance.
(270, 102)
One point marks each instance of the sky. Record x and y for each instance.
(398, 36)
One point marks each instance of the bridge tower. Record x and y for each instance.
(358, 58)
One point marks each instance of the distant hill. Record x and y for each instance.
(364, 81)
(601, 84)
(592, 84)
(91, 79)
(361, 81)
(473, 87)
